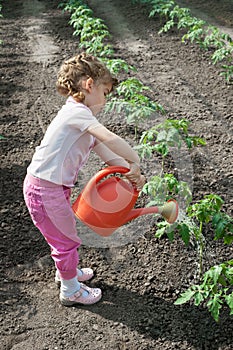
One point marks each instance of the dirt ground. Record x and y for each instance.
(140, 276)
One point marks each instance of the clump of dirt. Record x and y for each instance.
(141, 276)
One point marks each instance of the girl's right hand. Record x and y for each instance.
(135, 176)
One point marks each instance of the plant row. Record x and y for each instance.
(94, 38)
(161, 139)
(215, 288)
(208, 37)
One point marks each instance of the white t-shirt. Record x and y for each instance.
(66, 145)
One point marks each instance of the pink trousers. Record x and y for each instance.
(51, 212)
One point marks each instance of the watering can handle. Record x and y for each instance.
(110, 170)
(103, 173)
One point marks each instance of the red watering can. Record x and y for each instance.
(106, 205)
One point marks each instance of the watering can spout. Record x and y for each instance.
(169, 211)
(106, 205)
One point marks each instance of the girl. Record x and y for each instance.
(70, 137)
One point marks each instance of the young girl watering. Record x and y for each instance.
(53, 171)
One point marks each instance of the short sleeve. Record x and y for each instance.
(81, 117)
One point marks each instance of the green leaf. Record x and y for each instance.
(214, 306)
(213, 274)
(198, 298)
(189, 142)
(185, 233)
(170, 235)
(228, 239)
(162, 136)
(229, 301)
(160, 232)
(185, 296)
(162, 148)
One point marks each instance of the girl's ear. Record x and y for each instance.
(88, 84)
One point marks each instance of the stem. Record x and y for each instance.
(162, 167)
(201, 248)
(136, 132)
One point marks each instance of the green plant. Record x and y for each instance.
(93, 34)
(70, 5)
(198, 31)
(222, 53)
(215, 289)
(160, 138)
(195, 33)
(175, 14)
(188, 22)
(163, 136)
(184, 230)
(97, 48)
(163, 188)
(216, 284)
(202, 212)
(133, 103)
(93, 28)
(215, 39)
(208, 210)
(130, 87)
(92, 31)
(208, 37)
(225, 54)
(161, 7)
(199, 215)
(118, 65)
(227, 73)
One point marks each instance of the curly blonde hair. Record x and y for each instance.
(77, 68)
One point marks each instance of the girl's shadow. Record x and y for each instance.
(158, 318)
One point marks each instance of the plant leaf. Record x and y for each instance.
(229, 301)
(214, 306)
(198, 298)
(184, 232)
(185, 296)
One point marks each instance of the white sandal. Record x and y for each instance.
(94, 295)
(83, 275)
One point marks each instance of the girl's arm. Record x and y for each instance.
(108, 156)
(115, 143)
(116, 151)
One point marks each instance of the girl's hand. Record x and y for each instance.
(135, 176)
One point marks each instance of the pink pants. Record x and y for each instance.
(51, 212)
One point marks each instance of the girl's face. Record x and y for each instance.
(96, 95)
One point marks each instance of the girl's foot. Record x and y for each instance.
(83, 275)
(85, 296)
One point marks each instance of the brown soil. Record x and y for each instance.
(140, 275)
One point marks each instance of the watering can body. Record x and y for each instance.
(106, 205)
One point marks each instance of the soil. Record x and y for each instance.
(140, 275)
